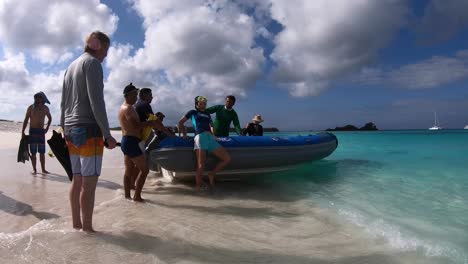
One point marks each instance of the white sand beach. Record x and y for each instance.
(240, 224)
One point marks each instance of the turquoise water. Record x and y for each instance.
(409, 188)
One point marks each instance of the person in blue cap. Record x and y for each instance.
(35, 115)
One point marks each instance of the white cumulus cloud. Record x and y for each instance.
(17, 87)
(191, 48)
(49, 29)
(324, 40)
(430, 73)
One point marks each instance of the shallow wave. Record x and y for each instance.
(7, 240)
(403, 240)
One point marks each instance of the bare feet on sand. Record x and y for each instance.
(138, 199)
(159, 183)
(89, 230)
(45, 172)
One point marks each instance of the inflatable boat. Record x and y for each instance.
(175, 157)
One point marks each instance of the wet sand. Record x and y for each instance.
(241, 223)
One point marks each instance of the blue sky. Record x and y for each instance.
(310, 66)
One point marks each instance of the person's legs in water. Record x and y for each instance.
(129, 168)
(87, 197)
(85, 146)
(140, 163)
(136, 171)
(76, 186)
(201, 157)
(135, 163)
(75, 191)
(225, 158)
(133, 176)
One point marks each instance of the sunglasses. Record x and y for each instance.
(201, 99)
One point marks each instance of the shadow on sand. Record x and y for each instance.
(64, 179)
(12, 206)
(176, 250)
(247, 212)
(285, 186)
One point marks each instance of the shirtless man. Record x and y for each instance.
(131, 132)
(36, 113)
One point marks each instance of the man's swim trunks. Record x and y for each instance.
(130, 146)
(85, 145)
(37, 140)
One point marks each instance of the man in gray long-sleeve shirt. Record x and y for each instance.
(82, 95)
(84, 120)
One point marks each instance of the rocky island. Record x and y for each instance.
(367, 127)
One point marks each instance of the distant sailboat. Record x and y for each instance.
(435, 127)
(466, 127)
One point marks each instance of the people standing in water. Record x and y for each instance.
(85, 124)
(35, 115)
(134, 157)
(144, 111)
(225, 114)
(205, 141)
(254, 128)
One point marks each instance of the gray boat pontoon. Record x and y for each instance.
(175, 157)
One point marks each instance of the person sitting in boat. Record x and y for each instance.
(204, 142)
(225, 114)
(254, 128)
(161, 135)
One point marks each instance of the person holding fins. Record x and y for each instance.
(35, 115)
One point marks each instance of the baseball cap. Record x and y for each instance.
(129, 88)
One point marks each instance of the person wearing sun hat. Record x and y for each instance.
(254, 128)
(204, 141)
(35, 115)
